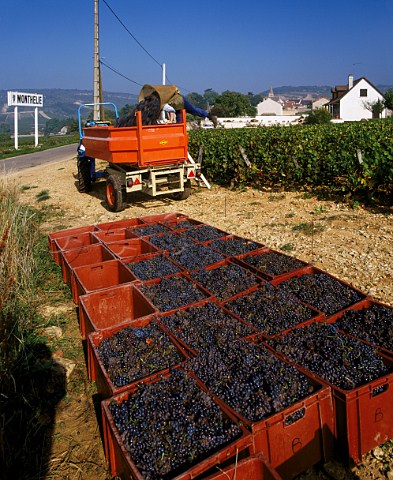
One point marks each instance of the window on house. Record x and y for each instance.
(363, 92)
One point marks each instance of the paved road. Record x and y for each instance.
(52, 155)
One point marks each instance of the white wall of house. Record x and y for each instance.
(259, 120)
(269, 106)
(352, 105)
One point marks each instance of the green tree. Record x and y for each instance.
(318, 116)
(376, 107)
(254, 99)
(388, 102)
(197, 100)
(210, 96)
(233, 104)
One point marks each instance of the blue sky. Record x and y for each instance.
(242, 45)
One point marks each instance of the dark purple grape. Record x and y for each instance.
(270, 310)
(153, 267)
(173, 292)
(135, 353)
(225, 281)
(343, 361)
(321, 291)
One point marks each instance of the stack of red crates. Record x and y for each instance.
(100, 262)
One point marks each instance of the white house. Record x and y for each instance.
(269, 107)
(352, 101)
(319, 102)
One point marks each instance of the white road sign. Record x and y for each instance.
(20, 99)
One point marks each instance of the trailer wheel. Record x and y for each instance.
(84, 179)
(185, 193)
(115, 193)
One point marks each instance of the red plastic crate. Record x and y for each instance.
(117, 224)
(98, 276)
(260, 271)
(71, 242)
(96, 369)
(134, 247)
(365, 304)
(65, 233)
(122, 465)
(364, 417)
(83, 256)
(115, 306)
(255, 467)
(109, 236)
(292, 448)
(310, 270)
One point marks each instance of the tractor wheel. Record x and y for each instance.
(184, 194)
(115, 193)
(84, 179)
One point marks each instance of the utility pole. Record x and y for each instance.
(163, 73)
(97, 75)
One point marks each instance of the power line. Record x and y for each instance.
(143, 48)
(137, 41)
(120, 74)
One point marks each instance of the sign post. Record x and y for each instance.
(20, 99)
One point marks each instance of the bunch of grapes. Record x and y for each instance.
(195, 257)
(135, 353)
(270, 310)
(322, 292)
(171, 241)
(373, 324)
(225, 281)
(153, 267)
(343, 361)
(173, 292)
(250, 379)
(204, 233)
(152, 229)
(273, 263)
(233, 246)
(204, 325)
(170, 425)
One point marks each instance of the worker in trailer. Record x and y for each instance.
(153, 98)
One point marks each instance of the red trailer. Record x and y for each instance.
(153, 159)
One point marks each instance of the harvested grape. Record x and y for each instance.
(343, 361)
(373, 324)
(321, 291)
(152, 229)
(153, 267)
(171, 424)
(135, 353)
(205, 325)
(273, 263)
(250, 379)
(173, 292)
(204, 233)
(233, 246)
(270, 310)
(195, 256)
(225, 281)
(171, 241)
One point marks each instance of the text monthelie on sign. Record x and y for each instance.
(22, 99)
